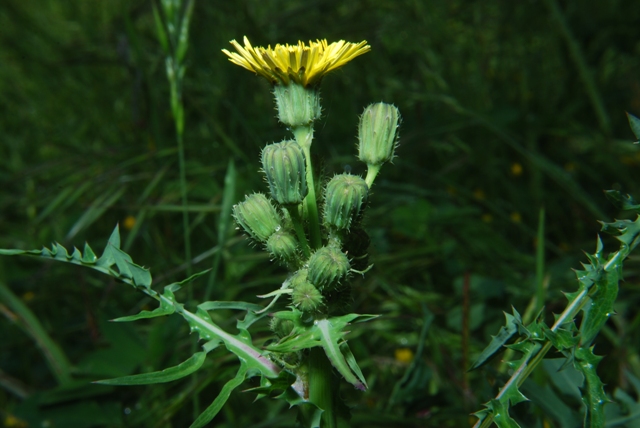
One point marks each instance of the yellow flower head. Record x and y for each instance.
(302, 64)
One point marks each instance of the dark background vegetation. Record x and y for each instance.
(508, 107)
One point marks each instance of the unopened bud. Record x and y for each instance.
(284, 246)
(297, 105)
(305, 296)
(327, 267)
(378, 133)
(284, 165)
(281, 327)
(257, 216)
(345, 198)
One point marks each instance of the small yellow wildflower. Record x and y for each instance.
(404, 355)
(129, 222)
(569, 166)
(13, 422)
(302, 64)
(479, 194)
(487, 218)
(515, 217)
(28, 296)
(516, 169)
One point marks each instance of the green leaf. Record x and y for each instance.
(213, 409)
(505, 333)
(634, 122)
(620, 201)
(183, 37)
(162, 32)
(593, 395)
(166, 308)
(328, 333)
(167, 375)
(501, 415)
(600, 307)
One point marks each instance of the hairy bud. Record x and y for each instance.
(284, 246)
(327, 267)
(297, 105)
(281, 327)
(344, 200)
(378, 133)
(284, 165)
(305, 296)
(257, 216)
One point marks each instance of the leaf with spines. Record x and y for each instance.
(329, 334)
(593, 394)
(505, 333)
(622, 202)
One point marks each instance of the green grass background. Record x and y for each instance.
(508, 107)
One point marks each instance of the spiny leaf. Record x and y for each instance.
(501, 415)
(600, 307)
(497, 342)
(620, 201)
(167, 307)
(213, 409)
(167, 375)
(593, 395)
(328, 333)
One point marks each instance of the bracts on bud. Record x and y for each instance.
(378, 133)
(305, 295)
(297, 105)
(284, 246)
(344, 201)
(257, 216)
(328, 267)
(284, 165)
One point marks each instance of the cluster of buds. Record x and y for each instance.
(320, 250)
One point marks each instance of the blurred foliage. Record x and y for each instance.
(507, 107)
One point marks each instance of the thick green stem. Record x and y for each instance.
(322, 387)
(297, 225)
(372, 172)
(304, 137)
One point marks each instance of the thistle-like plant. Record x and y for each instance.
(311, 310)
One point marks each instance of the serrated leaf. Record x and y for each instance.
(593, 395)
(505, 333)
(328, 333)
(213, 409)
(167, 375)
(600, 307)
(620, 201)
(501, 415)
(166, 308)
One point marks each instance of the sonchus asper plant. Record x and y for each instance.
(322, 252)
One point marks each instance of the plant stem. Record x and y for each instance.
(297, 225)
(372, 172)
(304, 137)
(322, 391)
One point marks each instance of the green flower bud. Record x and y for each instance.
(378, 133)
(327, 267)
(257, 216)
(344, 200)
(284, 165)
(280, 327)
(297, 105)
(305, 296)
(284, 246)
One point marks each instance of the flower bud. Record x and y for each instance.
(281, 327)
(257, 217)
(378, 133)
(284, 246)
(305, 296)
(297, 105)
(344, 200)
(284, 165)
(327, 267)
